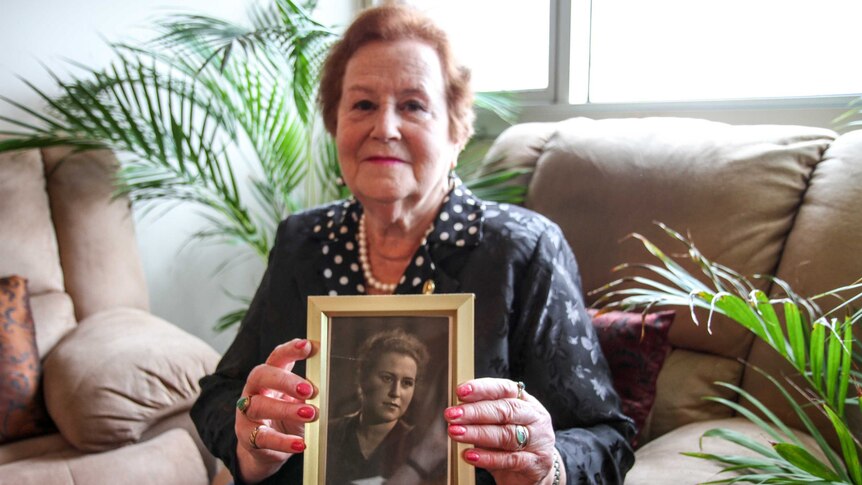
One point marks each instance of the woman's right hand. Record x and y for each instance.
(276, 409)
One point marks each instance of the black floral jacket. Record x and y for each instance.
(530, 320)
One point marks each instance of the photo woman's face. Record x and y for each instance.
(388, 389)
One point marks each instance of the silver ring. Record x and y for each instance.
(252, 438)
(521, 387)
(522, 436)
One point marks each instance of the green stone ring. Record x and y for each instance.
(522, 436)
(243, 403)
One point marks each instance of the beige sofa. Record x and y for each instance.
(774, 200)
(117, 381)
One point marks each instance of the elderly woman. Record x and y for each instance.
(400, 110)
(374, 441)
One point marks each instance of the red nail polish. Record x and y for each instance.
(457, 430)
(297, 446)
(304, 389)
(300, 344)
(305, 412)
(454, 413)
(471, 456)
(465, 390)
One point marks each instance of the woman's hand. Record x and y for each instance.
(271, 414)
(492, 415)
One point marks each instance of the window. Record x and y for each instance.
(647, 51)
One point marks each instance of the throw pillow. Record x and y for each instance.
(22, 409)
(635, 348)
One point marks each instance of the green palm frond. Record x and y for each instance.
(820, 345)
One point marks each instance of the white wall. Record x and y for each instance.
(180, 275)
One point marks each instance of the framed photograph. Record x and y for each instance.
(386, 369)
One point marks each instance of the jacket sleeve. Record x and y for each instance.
(214, 412)
(555, 351)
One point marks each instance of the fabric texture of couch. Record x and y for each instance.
(761, 199)
(117, 381)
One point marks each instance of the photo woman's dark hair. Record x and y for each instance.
(397, 341)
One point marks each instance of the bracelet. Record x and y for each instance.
(419, 470)
(556, 470)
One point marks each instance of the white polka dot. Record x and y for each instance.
(330, 213)
(471, 201)
(317, 228)
(360, 288)
(346, 204)
(433, 267)
(349, 245)
(343, 230)
(459, 242)
(402, 279)
(504, 207)
(338, 259)
(420, 261)
(331, 236)
(471, 217)
(330, 223)
(444, 216)
(458, 226)
(343, 280)
(444, 236)
(354, 267)
(458, 192)
(326, 249)
(333, 293)
(355, 217)
(458, 208)
(327, 273)
(416, 281)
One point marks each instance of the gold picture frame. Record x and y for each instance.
(443, 323)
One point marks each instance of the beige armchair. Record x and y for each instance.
(117, 381)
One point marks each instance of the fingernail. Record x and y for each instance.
(300, 344)
(471, 455)
(464, 390)
(304, 389)
(305, 412)
(454, 413)
(297, 446)
(456, 430)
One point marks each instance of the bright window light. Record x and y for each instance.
(668, 50)
(505, 44)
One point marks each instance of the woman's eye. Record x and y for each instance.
(408, 383)
(413, 106)
(363, 105)
(386, 378)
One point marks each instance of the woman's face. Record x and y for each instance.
(388, 389)
(393, 125)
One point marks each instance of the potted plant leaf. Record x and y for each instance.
(818, 343)
(184, 109)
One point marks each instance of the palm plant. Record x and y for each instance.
(177, 109)
(819, 344)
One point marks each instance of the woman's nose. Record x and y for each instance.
(386, 125)
(395, 389)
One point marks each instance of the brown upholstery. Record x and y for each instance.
(762, 199)
(116, 379)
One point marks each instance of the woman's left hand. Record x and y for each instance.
(493, 413)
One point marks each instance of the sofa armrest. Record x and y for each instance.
(119, 372)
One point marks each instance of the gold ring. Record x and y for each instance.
(522, 436)
(521, 387)
(252, 438)
(243, 404)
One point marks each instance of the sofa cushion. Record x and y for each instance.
(29, 245)
(635, 347)
(22, 409)
(119, 372)
(168, 459)
(660, 462)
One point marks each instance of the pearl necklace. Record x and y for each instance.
(365, 261)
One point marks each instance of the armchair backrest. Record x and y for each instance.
(62, 230)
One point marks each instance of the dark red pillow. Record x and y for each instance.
(635, 348)
(22, 409)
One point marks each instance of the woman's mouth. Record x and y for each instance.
(383, 159)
